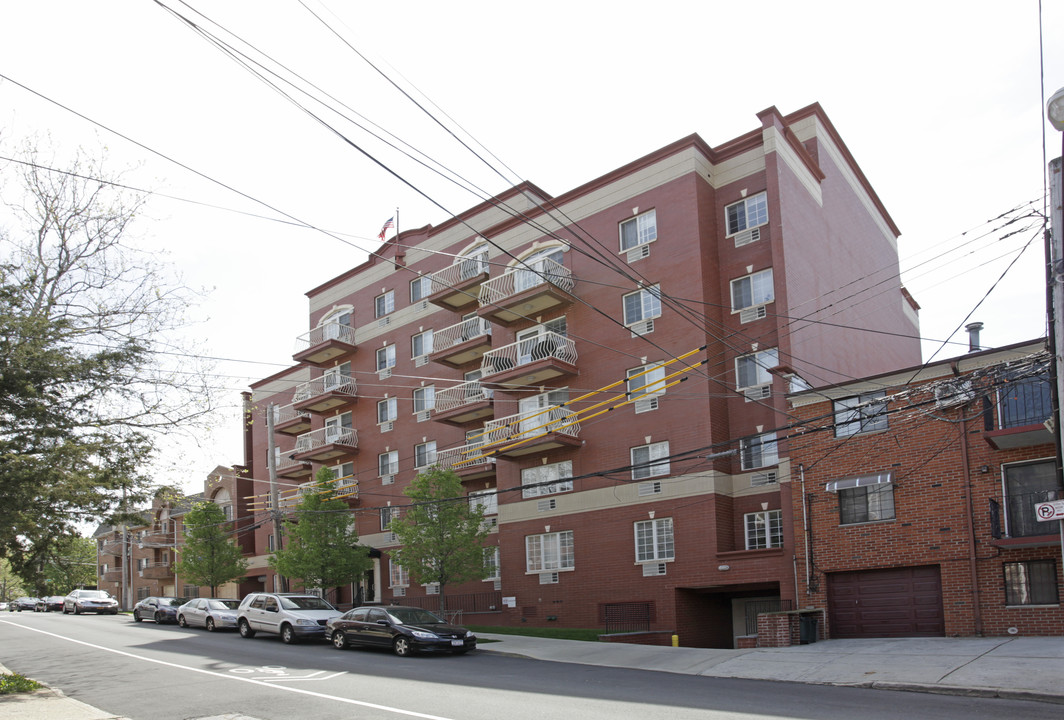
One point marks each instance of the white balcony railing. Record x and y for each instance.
(517, 280)
(458, 396)
(542, 346)
(343, 384)
(462, 332)
(324, 333)
(453, 458)
(554, 419)
(321, 437)
(284, 462)
(458, 274)
(284, 413)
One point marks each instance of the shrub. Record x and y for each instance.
(15, 683)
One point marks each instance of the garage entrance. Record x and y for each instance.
(899, 602)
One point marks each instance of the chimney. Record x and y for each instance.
(973, 336)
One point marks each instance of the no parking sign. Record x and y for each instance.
(1053, 510)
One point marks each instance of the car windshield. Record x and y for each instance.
(171, 602)
(223, 604)
(308, 602)
(94, 594)
(413, 616)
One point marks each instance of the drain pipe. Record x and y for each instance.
(969, 519)
(805, 527)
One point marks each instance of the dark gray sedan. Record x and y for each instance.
(406, 630)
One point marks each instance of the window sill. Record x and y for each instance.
(1029, 541)
(1033, 607)
(867, 522)
(541, 572)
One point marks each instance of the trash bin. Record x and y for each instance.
(807, 629)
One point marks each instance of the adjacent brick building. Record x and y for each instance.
(920, 488)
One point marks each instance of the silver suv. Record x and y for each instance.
(292, 616)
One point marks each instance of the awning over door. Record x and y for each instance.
(859, 481)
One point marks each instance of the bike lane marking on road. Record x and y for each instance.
(228, 676)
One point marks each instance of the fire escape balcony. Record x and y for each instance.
(461, 343)
(322, 394)
(525, 433)
(458, 286)
(531, 361)
(466, 462)
(111, 547)
(157, 571)
(288, 420)
(156, 538)
(324, 344)
(289, 467)
(526, 292)
(326, 443)
(112, 575)
(463, 403)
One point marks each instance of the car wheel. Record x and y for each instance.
(463, 651)
(288, 635)
(136, 617)
(339, 640)
(245, 629)
(181, 621)
(158, 619)
(77, 610)
(401, 646)
(210, 624)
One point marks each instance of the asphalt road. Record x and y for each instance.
(149, 672)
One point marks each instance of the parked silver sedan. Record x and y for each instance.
(211, 613)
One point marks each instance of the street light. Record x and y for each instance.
(1055, 110)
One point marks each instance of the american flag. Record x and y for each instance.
(387, 226)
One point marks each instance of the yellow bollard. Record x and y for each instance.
(676, 641)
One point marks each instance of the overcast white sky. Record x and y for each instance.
(939, 102)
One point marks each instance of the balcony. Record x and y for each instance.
(324, 344)
(156, 538)
(462, 343)
(112, 575)
(326, 443)
(531, 361)
(1023, 408)
(157, 571)
(463, 403)
(289, 467)
(465, 462)
(523, 293)
(288, 420)
(458, 286)
(111, 547)
(322, 394)
(526, 433)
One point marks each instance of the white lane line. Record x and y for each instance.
(226, 676)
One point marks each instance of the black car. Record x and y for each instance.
(94, 601)
(159, 609)
(22, 603)
(47, 604)
(405, 630)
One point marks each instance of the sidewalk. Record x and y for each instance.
(1014, 668)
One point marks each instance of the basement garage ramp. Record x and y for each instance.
(899, 602)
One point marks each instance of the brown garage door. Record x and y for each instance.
(900, 602)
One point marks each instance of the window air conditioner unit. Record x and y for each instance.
(423, 305)
(763, 478)
(387, 426)
(758, 393)
(399, 592)
(384, 321)
(387, 479)
(420, 360)
(643, 251)
(643, 405)
(424, 415)
(751, 314)
(642, 328)
(747, 236)
(649, 488)
(545, 505)
(548, 578)
(384, 374)
(653, 569)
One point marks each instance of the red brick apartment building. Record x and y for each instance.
(595, 365)
(919, 491)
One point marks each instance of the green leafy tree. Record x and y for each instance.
(441, 533)
(209, 556)
(322, 544)
(71, 564)
(86, 389)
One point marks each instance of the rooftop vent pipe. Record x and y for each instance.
(973, 336)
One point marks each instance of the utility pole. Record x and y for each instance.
(275, 506)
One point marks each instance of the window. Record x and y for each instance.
(386, 357)
(642, 305)
(386, 410)
(1025, 486)
(547, 479)
(542, 413)
(752, 370)
(860, 414)
(491, 563)
(747, 213)
(764, 529)
(639, 230)
(1033, 582)
(539, 342)
(870, 503)
(487, 499)
(336, 325)
(752, 290)
(646, 381)
(473, 262)
(270, 542)
(653, 540)
(421, 344)
(397, 574)
(384, 304)
(420, 288)
(650, 460)
(539, 267)
(387, 515)
(758, 451)
(424, 398)
(425, 454)
(338, 429)
(344, 471)
(336, 378)
(388, 463)
(549, 552)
